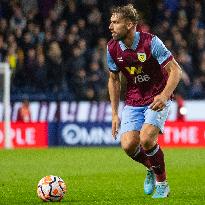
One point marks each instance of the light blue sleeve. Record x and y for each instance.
(159, 50)
(110, 62)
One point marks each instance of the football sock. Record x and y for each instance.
(161, 183)
(140, 156)
(156, 159)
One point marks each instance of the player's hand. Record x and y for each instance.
(159, 103)
(115, 126)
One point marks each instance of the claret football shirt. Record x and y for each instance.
(142, 65)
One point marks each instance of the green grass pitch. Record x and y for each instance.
(98, 176)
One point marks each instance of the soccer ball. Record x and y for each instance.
(51, 188)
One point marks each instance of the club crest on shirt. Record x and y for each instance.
(141, 57)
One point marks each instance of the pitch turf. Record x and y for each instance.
(98, 176)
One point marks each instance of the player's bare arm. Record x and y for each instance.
(175, 73)
(114, 92)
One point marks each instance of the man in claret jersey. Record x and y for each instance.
(152, 75)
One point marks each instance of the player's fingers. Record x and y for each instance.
(156, 106)
(156, 100)
(160, 108)
(115, 135)
(113, 129)
(153, 105)
(117, 126)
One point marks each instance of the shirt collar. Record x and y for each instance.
(134, 44)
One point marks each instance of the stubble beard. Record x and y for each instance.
(119, 37)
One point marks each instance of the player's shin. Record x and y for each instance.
(156, 159)
(140, 156)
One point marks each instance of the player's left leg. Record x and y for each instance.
(154, 123)
(148, 140)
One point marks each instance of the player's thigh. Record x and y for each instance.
(149, 135)
(132, 119)
(153, 125)
(157, 118)
(130, 140)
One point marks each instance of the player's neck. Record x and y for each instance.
(128, 41)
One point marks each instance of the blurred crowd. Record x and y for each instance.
(182, 28)
(57, 48)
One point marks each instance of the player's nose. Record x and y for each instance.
(111, 26)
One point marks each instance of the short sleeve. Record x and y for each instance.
(110, 62)
(160, 52)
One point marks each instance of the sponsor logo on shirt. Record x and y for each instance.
(133, 70)
(138, 74)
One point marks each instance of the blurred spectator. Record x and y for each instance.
(30, 67)
(97, 78)
(3, 27)
(30, 6)
(59, 6)
(197, 89)
(83, 30)
(40, 74)
(17, 20)
(80, 83)
(12, 57)
(185, 61)
(61, 30)
(54, 67)
(99, 53)
(2, 49)
(181, 109)
(24, 114)
(45, 6)
(75, 62)
(172, 5)
(70, 12)
(27, 42)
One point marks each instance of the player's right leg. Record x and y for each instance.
(130, 144)
(131, 123)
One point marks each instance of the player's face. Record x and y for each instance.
(118, 27)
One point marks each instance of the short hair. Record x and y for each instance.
(128, 12)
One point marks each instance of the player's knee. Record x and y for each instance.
(129, 144)
(147, 140)
(145, 143)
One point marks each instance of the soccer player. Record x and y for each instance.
(152, 75)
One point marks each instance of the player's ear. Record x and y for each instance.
(129, 25)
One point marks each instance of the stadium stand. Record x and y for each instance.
(57, 49)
